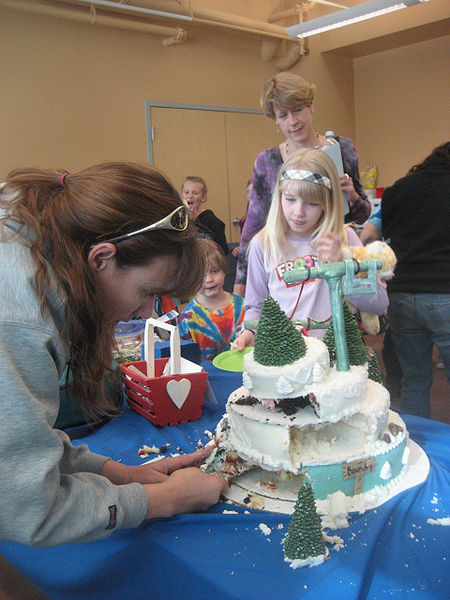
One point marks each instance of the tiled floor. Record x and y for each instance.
(440, 392)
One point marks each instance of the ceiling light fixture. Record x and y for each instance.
(348, 16)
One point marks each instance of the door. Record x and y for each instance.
(219, 144)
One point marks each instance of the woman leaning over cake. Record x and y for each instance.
(78, 253)
(288, 100)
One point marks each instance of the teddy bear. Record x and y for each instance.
(378, 250)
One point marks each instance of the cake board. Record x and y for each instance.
(249, 490)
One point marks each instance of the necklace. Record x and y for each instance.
(315, 147)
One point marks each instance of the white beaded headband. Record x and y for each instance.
(306, 176)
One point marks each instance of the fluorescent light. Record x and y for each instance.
(354, 14)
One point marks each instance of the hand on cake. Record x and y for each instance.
(186, 490)
(153, 472)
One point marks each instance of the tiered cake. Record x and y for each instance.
(296, 415)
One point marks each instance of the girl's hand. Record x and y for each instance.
(329, 248)
(247, 338)
(347, 186)
(184, 491)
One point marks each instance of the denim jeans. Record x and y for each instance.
(417, 322)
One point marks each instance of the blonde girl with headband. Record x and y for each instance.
(79, 252)
(305, 227)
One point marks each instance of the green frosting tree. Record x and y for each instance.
(374, 371)
(356, 349)
(277, 341)
(304, 539)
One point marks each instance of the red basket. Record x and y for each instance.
(164, 399)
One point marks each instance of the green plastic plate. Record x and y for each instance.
(231, 360)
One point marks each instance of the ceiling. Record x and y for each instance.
(176, 20)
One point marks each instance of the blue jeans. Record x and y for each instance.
(417, 322)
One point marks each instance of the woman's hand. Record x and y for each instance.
(169, 465)
(329, 248)
(235, 252)
(153, 472)
(247, 338)
(184, 491)
(347, 187)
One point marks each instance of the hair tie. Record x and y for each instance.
(63, 176)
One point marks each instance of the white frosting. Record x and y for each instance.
(277, 441)
(311, 368)
(336, 392)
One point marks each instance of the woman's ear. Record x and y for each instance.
(99, 256)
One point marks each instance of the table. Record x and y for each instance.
(389, 552)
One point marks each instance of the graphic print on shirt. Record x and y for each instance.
(301, 262)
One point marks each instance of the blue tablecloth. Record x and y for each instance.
(389, 552)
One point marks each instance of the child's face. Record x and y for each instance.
(301, 216)
(192, 193)
(213, 282)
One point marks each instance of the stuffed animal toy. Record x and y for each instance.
(379, 250)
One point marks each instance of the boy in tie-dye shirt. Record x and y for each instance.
(213, 316)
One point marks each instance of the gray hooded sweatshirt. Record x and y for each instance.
(51, 492)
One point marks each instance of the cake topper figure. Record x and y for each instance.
(333, 273)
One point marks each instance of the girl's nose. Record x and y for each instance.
(300, 209)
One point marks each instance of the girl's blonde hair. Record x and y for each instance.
(273, 235)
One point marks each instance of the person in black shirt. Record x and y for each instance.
(415, 217)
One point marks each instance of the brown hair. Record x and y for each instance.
(286, 91)
(196, 179)
(214, 254)
(66, 216)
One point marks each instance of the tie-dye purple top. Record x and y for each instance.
(267, 165)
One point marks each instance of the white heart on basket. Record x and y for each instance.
(178, 391)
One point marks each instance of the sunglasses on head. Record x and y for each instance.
(178, 220)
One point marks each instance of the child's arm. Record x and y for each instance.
(246, 338)
(256, 292)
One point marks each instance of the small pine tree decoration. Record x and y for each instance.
(356, 348)
(374, 371)
(277, 341)
(328, 340)
(304, 539)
